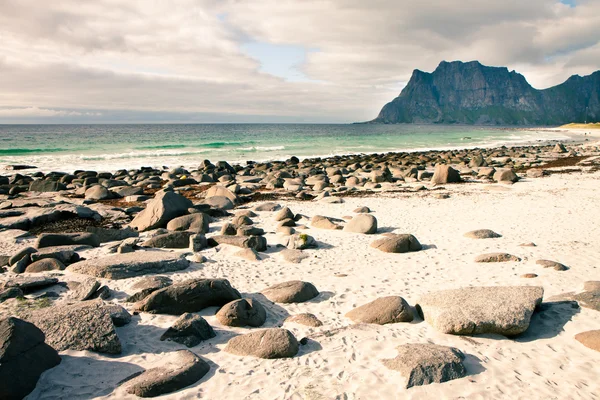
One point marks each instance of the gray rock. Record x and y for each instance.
(46, 186)
(268, 343)
(85, 290)
(505, 175)
(30, 283)
(197, 223)
(496, 257)
(445, 174)
(24, 356)
(10, 293)
(221, 191)
(321, 222)
(189, 296)
(257, 243)
(112, 235)
(305, 319)
(179, 369)
(291, 292)
(162, 209)
(198, 242)
(397, 243)
(362, 223)
(85, 325)
(248, 255)
(64, 254)
(148, 285)
(190, 330)
(18, 256)
(62, 239)
(20, 266)
(299, 241)
(267, 207)
(552, 264)
(293, 255)
(242, 312)
(98, 192)
(45, 264)
(423, 364)
(284, 213)
(220, 203)
(482, 234)
(171, 240)
(385, 310)
(505, 310)
(118, 314)
(121, 266)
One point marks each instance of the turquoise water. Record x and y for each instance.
(110, 147)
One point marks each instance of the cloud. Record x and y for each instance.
(43, 112)
(188, 57)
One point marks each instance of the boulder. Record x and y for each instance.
(423, 364)
(482, 234)
(171, 240)
(445, 174)
(291, 292)
(163, 208)
(45, 264)
(85, 290)
(197, 223)
(18, 256)
(189, 296)
(293, 255)
(112, 235)
(559, 148)
(257, 243)
(190, 330)
(221, 191)
(41, 185)
(590, 339)
(179, 369)
(284, 213)
(496, 257)
(64, 254)
(220, 203)
(505, 310)
(248, 255)
(385, 310)
(118, 314)
(267, 207)
(147, 285)
(121, 266)
(362, 223)
(305, 319)
(268, 343)
(299, 241)
(24, 356)
(86, 325)
(98, 192)
(546, 264)
(242, 312)
(321, 222)
(397, 243)
(197, 242)
(505, 175)
(63, 239)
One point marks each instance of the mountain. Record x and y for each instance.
(472, 93)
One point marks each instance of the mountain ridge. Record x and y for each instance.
(471, 93)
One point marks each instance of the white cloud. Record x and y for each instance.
(187, 57)
(43, 112)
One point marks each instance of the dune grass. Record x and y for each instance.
(582, 126)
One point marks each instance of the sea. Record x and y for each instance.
(111, 147)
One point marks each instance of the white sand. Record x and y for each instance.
(559, 213)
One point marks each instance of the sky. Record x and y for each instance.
(219, 61)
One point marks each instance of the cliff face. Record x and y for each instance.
(471, 93)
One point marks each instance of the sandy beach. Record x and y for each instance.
(342, 359)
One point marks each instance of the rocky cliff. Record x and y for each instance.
(471, 93)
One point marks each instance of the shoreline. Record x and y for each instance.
(574, 137)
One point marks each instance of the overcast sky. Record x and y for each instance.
(267, 60)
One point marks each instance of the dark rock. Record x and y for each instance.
(46, 186)
(197, 223)
(148, 285)
(243, 312)
(190, 330)
(257, 243)
(112, 235)
(428, 363)
(189, 296)
(45, 264)
(179, 369)
(24, 356)
(121, 266)
(171, 240)
(268, 343)
(57, 239)
(30, 284)
(291, 292)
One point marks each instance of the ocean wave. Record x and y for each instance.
(261, 148)
(16, 152)
(225, 144)
(120, 156)
(161, 147)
